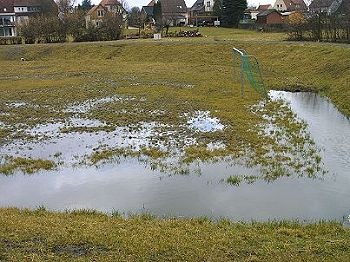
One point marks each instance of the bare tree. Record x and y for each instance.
(65, 6)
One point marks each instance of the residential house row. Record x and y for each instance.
(201, 12)
(14, 12)
(279, 12)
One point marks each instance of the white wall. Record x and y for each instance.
(210, 7)
(22, 9)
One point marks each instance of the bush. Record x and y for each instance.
(50, 29)
(10, 40)
(321, 27)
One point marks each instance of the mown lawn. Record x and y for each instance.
(89, 236)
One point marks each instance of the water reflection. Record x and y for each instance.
(130, 187)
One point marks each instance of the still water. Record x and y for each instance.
(130, 186)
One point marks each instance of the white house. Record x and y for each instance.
(7, 19)
(14, 12)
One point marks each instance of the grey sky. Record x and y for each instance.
(189, 3)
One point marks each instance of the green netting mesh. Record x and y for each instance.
(250, 66)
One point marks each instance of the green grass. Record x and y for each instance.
(88, 235)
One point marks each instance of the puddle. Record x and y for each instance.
(203, 122)
(74, 147)
(329, 128)
(133, 186)
(216, 146)
(89, 104)
(80, 122)
(16, 104)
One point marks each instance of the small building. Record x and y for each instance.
(270, 17)
(290, 5)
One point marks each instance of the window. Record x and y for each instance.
(99, 13)
(208, 4)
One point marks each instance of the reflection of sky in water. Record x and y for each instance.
(202, 121)
(130, 187)
(329, 128)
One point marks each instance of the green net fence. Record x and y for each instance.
(247, 68)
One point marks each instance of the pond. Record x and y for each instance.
(132, 186)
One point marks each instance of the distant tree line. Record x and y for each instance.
(320, 27)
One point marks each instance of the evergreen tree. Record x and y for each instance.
(86, 5)
(217, 8)
(232, 12)
(157, 12)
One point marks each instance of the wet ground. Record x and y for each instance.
(131, 185)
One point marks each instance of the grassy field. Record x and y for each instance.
(173, 78)
(89, 236)
(145, 81)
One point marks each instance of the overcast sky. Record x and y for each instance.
(189, 3)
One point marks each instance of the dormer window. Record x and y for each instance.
(5, 9)
(179, 6)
